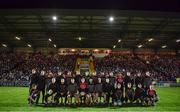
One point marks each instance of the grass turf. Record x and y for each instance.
(15, 99)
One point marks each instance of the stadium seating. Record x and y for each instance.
(17, 67)
(162, 68)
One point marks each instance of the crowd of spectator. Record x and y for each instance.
(162, 68)
(18, 66)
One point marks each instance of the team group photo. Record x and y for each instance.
(102, 89)
(89, 55)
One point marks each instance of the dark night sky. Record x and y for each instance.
(153, 5)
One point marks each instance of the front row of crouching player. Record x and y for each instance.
(95, 91)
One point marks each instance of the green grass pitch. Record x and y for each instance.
(15, 99)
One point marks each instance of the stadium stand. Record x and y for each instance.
(16, 67)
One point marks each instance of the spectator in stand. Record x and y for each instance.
(16, 67)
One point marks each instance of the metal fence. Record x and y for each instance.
(26, 83)
(14, 83)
